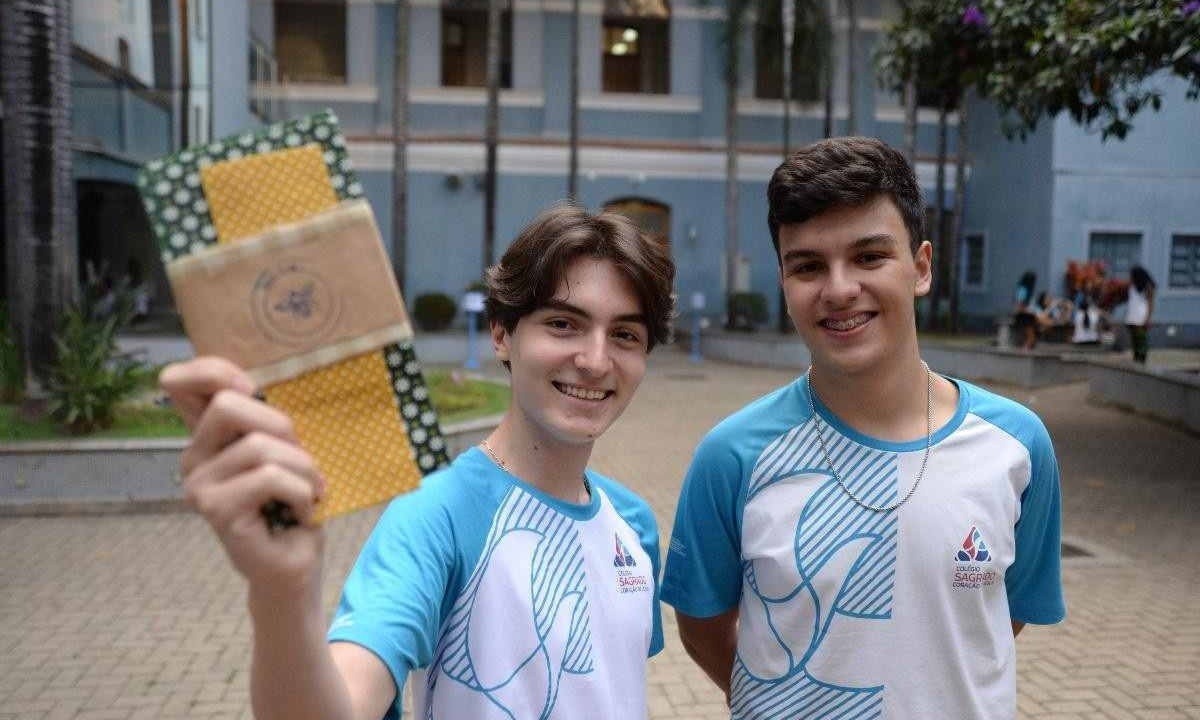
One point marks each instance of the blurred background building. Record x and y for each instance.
(150, 76)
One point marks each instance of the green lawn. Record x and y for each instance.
(467, 400)
(455, 401)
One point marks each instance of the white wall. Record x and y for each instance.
(96, 26)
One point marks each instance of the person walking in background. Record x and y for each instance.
(1138, 309)
(1024, 318)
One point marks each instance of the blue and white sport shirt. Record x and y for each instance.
(516, 604)
(849, 613)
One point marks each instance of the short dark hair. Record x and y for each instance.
(843, 171)
(531, 270)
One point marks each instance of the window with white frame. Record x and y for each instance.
(636, 47)
(1184, 270)
(1119, 251)
(974, 261)
(464, 44)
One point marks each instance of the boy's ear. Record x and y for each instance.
(500, 338)
(923, 259)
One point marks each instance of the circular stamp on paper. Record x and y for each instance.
(294, 305)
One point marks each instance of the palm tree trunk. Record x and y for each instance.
(573, 136)
(830, 53)
(851, 67)
(732, 50)
(910, 108)
(939, 216)
(960, 201)
(39, 191)
(491, 132)
(400, 146)
(788, 10)
(910, 120)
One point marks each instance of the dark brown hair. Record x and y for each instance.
(844, 171)
(532, 268)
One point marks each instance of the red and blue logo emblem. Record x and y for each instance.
(974, 549)
(623, 557)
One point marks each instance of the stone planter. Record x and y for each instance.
(1169, 395)
(1026, 368)
(1016, 367)
(116, 476)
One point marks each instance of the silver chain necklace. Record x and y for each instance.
(812, 392)
(587, 486)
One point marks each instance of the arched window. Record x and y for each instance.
(636, 46)
(464, 44)
(651, 216)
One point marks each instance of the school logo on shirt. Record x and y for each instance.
(623, 557)
(972, 563)
(628, 581)
(974, 549)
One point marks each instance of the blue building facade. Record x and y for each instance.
(1064, 194)
(652, 99)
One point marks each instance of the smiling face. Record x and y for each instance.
(576, 360)
(850, 278)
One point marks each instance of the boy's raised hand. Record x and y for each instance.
(242, 456)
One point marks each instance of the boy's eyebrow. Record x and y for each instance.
(859, 244)
(565, 306)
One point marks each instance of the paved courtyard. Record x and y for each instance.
(138, 616)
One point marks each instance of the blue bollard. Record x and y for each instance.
(472, 362)
(695, 355)
(698, 303)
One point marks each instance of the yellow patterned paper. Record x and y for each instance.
(248, 195)
(345, 414)
(349, 423)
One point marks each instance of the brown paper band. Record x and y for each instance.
(294, 298)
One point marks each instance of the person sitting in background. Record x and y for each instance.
(1087, 315)
(1024, 320)
(1051, 312)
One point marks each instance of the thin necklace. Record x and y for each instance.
(587, 486)
(812, 392)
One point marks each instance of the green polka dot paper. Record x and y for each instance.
(173, 198)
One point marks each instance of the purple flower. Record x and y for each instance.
(973, 16)
(1190, 8)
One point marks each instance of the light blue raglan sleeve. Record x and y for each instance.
(703, 575)
(392, 601)
(1034, 580)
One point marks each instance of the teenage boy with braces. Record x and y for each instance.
(868, 540)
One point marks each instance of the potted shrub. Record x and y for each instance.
(434, 311)
(747, 310)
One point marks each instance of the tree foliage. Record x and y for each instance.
(1093, 59)
(945, 45)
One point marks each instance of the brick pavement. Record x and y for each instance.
(125, 618)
